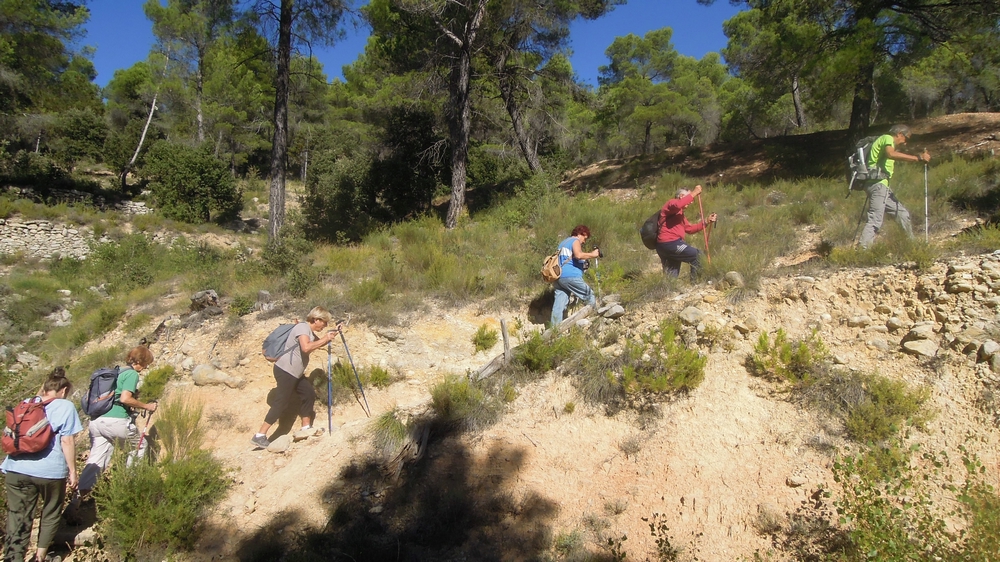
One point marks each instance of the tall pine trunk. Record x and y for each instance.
(461, 113)
(800, 114)
(279, 145)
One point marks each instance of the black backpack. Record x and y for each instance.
(650, 230)
(857, 164)
(101, 395)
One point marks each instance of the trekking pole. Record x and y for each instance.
(329, 388)
(927, 236)
(368, 411)
(701, 210)
(854, 241)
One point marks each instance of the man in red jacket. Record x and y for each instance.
(670, 245)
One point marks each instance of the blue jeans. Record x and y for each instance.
(564, 286)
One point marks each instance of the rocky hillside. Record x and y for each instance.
(710, 462)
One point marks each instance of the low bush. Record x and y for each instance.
(461, 402)
(670, 367)
(387, 433)
(485, 338)
(792, 361)
(148, 508)
(178, 429)
(155, 382)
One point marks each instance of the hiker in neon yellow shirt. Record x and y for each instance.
(881, 199)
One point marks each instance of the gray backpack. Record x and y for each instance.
(274, 344)
(857, 163)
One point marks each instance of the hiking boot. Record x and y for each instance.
(260, 442)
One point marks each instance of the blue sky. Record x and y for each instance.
(122, 35)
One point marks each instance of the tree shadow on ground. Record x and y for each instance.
(448, 505)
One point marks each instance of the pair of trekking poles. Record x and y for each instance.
(329, 380)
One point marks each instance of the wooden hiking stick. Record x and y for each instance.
(701, 210)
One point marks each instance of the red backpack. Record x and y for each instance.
(28, 430)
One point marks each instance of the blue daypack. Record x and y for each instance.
(101, 395)
(274, 344)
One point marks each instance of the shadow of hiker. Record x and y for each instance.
(448, 505)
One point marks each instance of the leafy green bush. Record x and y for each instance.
(191, 185)
(242, 305)
(883, 409)
(379, 377)
(538, 355)
(793, 361)
(670, 367)
(485, 338)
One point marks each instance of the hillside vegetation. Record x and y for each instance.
(565, 451)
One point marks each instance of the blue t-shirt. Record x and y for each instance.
(571, 267)
(50, 463)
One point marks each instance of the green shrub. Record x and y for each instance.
(191, 185)
(147, 508)
(886, 405)
(242, 305)
(538, 355)
(379, 377)
(485, 338)
(793, 361)
(178, 429)
(155, 382)
(459, 401)
(388, 433)
(671, 366)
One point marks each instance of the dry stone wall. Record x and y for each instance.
(44, 239)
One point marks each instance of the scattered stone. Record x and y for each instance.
(987, 350)
(584, 323)
(691, 316)
(878, 344)
(859, 321)
(616, 311)
(920, 332)
(896, 323)
(204, 299)
(734, 279)
(741, 328)
(280, 445)
(250, 506)
(27, 358)
(208, 375)
(711, 298)
(795, 481)
(388, 333)
(923, 348)
(960, 287)
(877, 329)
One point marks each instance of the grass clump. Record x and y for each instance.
(379, 377)
(792, 361)
(148, 509)
(387, 433)
(485, 338)
(460, 401)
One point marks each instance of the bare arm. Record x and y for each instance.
(69, 452)
(128, 399)
(579, 254)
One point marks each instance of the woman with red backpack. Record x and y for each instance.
(45, 474)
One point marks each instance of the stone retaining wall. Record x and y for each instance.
(44, 239)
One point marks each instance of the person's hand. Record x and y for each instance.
(600, 254)
(713, 217)
(925, 157)
(72, 481)
(151, 407)
(696, 191)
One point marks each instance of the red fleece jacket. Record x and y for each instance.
(673, 224)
